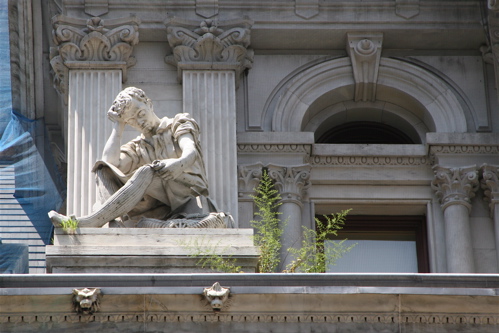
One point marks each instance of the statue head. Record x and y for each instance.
(134, 108)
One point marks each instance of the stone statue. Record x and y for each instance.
(155, 180)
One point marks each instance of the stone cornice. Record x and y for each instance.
(455, 185)
(210, 45)
(490, 185)
(292, 181)
(91, 44)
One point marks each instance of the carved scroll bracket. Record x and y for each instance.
(455, 185)
(490, 185)
(91, 44)
(364, 50)
(210, 45)
(292, 182)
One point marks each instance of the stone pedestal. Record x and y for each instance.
(130, 250)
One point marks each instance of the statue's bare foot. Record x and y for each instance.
(57, 218)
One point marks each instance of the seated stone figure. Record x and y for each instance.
(155, 180)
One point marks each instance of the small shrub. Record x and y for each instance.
(69, 226)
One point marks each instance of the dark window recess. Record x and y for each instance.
(366, 132)
(385, 228)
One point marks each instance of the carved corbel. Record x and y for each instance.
(455, 185)
(86, 300)
(306, 8)
(407, 8)
(91, 44)
(292, 182)
(211, 45)
(216, 296)
(207, 8)
(248, 179)
(490, 185)
(365, 53)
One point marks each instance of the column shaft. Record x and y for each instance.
(458, 241)
(291, 222)
(209, 96)
(91, 93)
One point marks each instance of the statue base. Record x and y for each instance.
(148, 250)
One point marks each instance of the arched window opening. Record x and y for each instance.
(365, 132)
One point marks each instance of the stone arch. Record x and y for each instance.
(426, 101)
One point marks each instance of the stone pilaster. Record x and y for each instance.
(210, 58)
(90, 61)
(249, 177)
(490, 185)
(455, 187)
(292, 183)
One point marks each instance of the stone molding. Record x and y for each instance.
(91, 44)
(249, 176)
(407, 8)
(317, 160)
(207, 8)
(490, 185)
(455, 185)
(210, 45)
(258, 317)
(306, 8)
(292, 182)
(96, 7)
(274, 148)
(364, 50)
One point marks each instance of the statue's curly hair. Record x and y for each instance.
(122, 101)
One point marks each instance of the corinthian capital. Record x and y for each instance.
(291, 181)
(91, 44)
(210, 45)
(249, 177)
(490, 185)
(455, 185)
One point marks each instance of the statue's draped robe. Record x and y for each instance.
(165, 197)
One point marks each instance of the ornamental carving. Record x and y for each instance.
(90, 44)
(291, 181)
(248, 178)
(87, 300)
(370, 160)
(210, 45)
(216, 296)
(365, 55)
(455, 185)
(490, 185)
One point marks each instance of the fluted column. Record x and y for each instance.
(249, 177)
(210, 58)
(490, 185)
(292, 183)
(455, 187)
(90, 63)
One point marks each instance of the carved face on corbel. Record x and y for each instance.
(86, 300)
(217, 296)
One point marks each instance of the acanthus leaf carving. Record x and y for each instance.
(455, 185)
(249, 177)
(490, 185)
(292, 182)
(221, 44)
(78, 42)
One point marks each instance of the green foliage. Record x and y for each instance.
(268, 232)
(314, 256)
(69, 226)
(207, 257)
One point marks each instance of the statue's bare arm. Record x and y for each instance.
(112, 150)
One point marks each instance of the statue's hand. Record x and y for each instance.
(114, 116)
(168, 169)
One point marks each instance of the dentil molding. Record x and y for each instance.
(91, 44)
